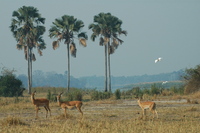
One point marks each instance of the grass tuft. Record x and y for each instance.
(12, 121)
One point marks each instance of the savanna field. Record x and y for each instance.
(177, 114)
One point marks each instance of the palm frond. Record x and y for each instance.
(33, 57)
(93, 36)
(83, 42)
(73, 49)
(101, 41)
(111, 49)
(120, 41)
(124, 32)
(83, 35)
(26, 56)
(25, 49)
(19, 46)
(106, 40)
(115, 43)
(40, 52)
(55, 44)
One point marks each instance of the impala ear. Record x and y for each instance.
(61, 93)
(34, 92)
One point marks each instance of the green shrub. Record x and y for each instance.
(10, 86)
(94, 95)
(137, 91)
(98, 95)
(74, 94)
(117, 94)
(51, 96)
(179, 90)
(192, 78)
(154, 90)
(104, 95)
(146, 91)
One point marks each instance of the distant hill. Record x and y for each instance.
(53, 79)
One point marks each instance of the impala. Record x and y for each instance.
(69, 104)
(148, 105)
(40, 102)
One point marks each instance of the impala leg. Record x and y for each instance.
(156, 113)
(153, 113)
(49, 110)
(36, 112)
(65, 110)
(46, 111)
(143, 113)
(79, 109)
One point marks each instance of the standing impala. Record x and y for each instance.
(69, 104)
(40, 102)
(148, 105)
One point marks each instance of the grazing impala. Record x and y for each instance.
(40, 102)
(69, 104)
(146, 105)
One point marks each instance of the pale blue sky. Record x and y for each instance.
(156, 28)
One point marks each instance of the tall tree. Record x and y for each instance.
(27, 28)
(68, 28)
(108, 27)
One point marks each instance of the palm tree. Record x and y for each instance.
(67, 28)
(27, 29)
(108, 27)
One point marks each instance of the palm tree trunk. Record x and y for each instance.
(106, 73)
(29, 80)
(68, 79)
(31, 61)
(109, 78)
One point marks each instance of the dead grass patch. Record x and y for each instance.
(62, 117)
(192, 109)
(107, 102)
(192, 101)
(12, 121)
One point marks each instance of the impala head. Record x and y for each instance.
(138, 98)
(33, 93)
(59, 95)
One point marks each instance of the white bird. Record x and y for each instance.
(164, 82)
(159, 59)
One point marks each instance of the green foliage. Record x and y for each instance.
(98, 95)
(179, 90)
(117, 94)
(74, 94)
(51, 96)
(192, 80)
(10, 86)
(146, 91)
(137, 91)
(154, 90)
(105, 95)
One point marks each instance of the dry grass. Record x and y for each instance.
(112, 116)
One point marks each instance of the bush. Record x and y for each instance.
(51, 96)
(74, 94)
(97, 95)
(137, 92)
(146, 91)
(10, 86)
(154, 90)
(192, 78)
(94, 95)
(117, 94)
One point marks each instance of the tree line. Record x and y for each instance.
(53, 79)
(28, 28)
(12, 85)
